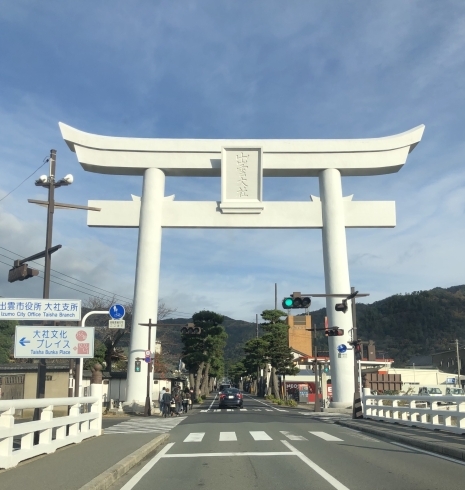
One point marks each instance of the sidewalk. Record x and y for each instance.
(94, 464)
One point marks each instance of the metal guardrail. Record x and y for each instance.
(431, 412)
(17, 439)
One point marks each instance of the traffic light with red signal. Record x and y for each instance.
(334, 332)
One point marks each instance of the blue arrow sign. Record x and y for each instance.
(117, 312)
(342, 348)
(23, 341)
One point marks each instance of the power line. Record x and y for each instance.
(66, 275)
(113, 295)
(43, 163)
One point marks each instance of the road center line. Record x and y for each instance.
(138, 476)
(330, 479)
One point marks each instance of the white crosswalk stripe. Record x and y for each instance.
(293, 437)
(194, 437)
(325, 436)
(260, 435)
(228, 436)
(145, 425)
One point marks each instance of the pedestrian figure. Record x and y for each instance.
(178, 401)
(185, 401)
(166, 402)
(160, 400)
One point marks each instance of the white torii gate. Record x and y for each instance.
(241, 165)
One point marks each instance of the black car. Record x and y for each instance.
(231, 397)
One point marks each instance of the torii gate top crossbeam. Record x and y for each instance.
(202, 157)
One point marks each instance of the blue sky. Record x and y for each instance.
(235, 69)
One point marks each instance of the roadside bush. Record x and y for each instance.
(199, 399)
(291, 403)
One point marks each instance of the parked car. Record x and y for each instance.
(231, 397)
(427, 391)
(455, 391)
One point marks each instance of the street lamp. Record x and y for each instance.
(51, 184)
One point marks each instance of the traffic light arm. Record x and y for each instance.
(39, 255)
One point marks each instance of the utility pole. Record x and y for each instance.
(42, 366)
(258, 366)
(458, 362)
(50, 183)
(357, 409)
(275, 295)
(148, 410)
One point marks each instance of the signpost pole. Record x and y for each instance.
(147, 409)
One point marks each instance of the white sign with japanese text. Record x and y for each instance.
(121, 324)
(40, 309)
(53, 341)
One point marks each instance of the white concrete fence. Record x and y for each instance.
(17, 439)
(434, 412)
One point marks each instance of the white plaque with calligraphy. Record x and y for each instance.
(241, 180)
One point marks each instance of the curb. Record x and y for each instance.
(110, 476)
(425, 445)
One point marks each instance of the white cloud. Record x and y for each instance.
(204, 70)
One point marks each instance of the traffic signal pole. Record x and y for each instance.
(357, 408)
(317, 405)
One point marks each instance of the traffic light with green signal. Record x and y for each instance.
(296, 300)
(137, 367)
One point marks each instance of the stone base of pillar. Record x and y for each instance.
(137, 407)
(347, 404)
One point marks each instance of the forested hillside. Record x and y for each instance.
(403, 325)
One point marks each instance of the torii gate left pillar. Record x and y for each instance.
(241, 165)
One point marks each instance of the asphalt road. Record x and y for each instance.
(266, 447)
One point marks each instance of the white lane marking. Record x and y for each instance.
(324, 474)
(138, 476)
(268, 410)
(228, 436)
(208, 455)
(263, 403)
(281, 410)
(429, 453)
(229, 409)
(243, 410)
(293, 437)
(325, 436)
(260, 435)
(194, 437)
(211, 404)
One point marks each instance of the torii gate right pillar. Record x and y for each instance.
(336, 269)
